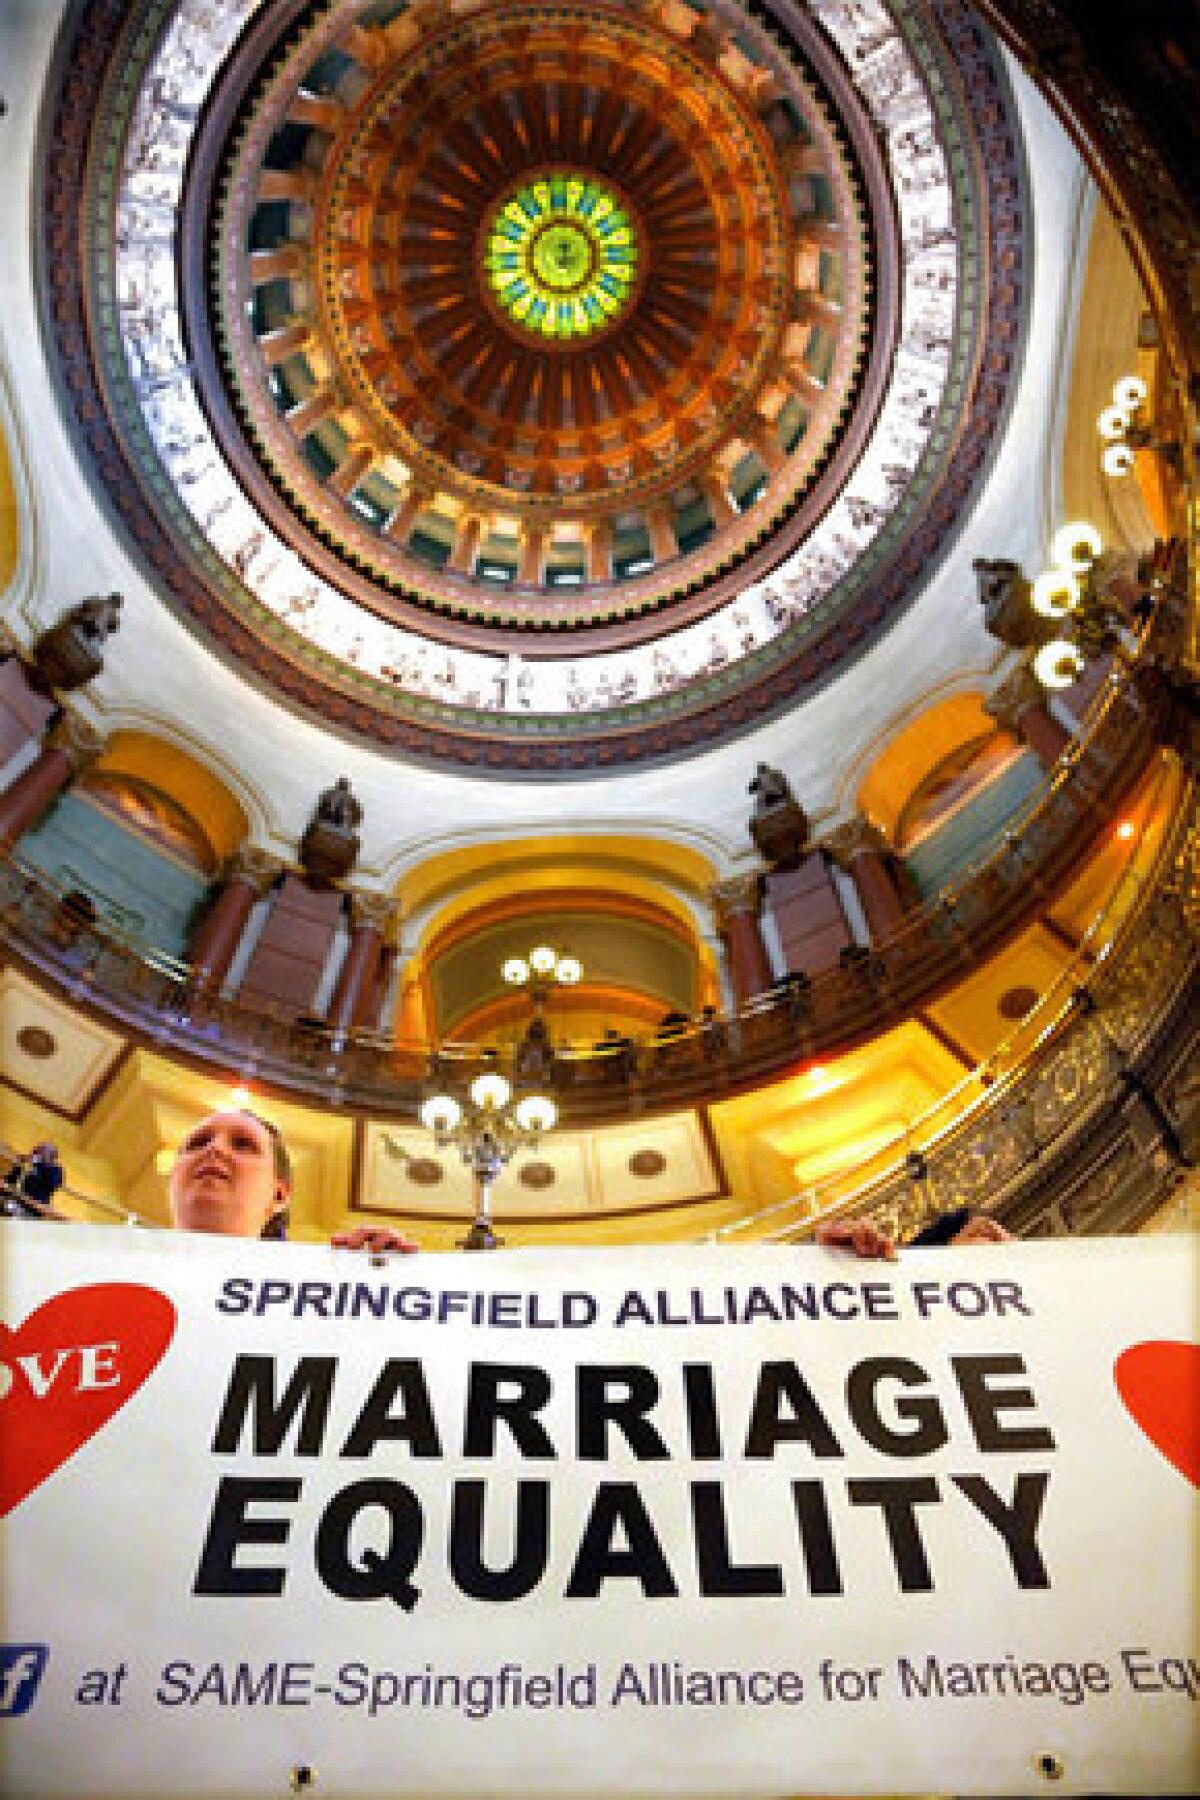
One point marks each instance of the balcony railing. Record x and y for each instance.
(992, 1140)
(155, 998)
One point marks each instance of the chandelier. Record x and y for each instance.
(488, 1126)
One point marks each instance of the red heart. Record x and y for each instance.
(67, 1370)
(1160, 1385)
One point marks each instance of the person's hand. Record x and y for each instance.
(375, 1239)
(859, 1235)
(979, 1229)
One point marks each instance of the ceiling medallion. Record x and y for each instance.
(560, 257)
(469, 541)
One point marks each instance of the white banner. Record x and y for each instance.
(639, 1522)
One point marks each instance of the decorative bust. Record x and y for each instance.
(338, 807)
(330, 844)
(1004, 596)
(71, 652)
(770, 788)
(779, 825)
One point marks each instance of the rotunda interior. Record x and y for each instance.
(701, 488)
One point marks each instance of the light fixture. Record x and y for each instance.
(1058, 664)
(490, 1092)
(1126, 831)
(1124, 431)
(1117, 460)
(1076, 546)
(1054, 594)
(1068, 592)
(488, 1130)
(536, 1113)
(541, 970)
(1130, 392)
(440, 1114)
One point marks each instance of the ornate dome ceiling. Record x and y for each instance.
(535, 386)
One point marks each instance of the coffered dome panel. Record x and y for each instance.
(471, 456)
(534, 385)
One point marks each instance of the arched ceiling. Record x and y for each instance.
(505, 549)
(192, 787)
(453, 880)
(624, 950)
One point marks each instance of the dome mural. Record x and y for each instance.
(529, 387)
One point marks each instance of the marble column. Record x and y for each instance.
(737, 904)
(763, 437)
(721, 508)
(599, 551)
(413, 502)
(357, 984)
(533, 554)
(383, 994)
(1018, 703)
(70, 746)
(350, 471)
(659, 525)
(25, 712)
(861, 850)
(246, 875)
(466, 545)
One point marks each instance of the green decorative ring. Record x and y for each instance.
(560, 257)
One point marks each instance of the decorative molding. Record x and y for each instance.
(855, 837)
(256, 868)
(375, 912)
(78, 739)
(736, 896)
(781, 660)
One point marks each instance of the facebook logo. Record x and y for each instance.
(21, 1667)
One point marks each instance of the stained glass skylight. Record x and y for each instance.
(560, 256)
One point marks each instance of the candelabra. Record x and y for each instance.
(543, 970)
(1067, 592)
(487, 1128)
(539, 973)
(1124, 430)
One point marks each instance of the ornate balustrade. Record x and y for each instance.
(1087, 1116)
(155, 998)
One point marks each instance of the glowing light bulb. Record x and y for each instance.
(1076, 546)
(516, 971)
(490, 1092)
(1117, 460)
(536, 1113)
(1055, 593)
(568, 970)
(440, 1113)
(1058, 664)
(1130, 392)
(542, 960)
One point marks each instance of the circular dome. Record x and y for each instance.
(501, 423)
(533, 386)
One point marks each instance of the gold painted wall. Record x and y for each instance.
(8, 517)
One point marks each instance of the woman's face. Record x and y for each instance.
(224, 1179)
